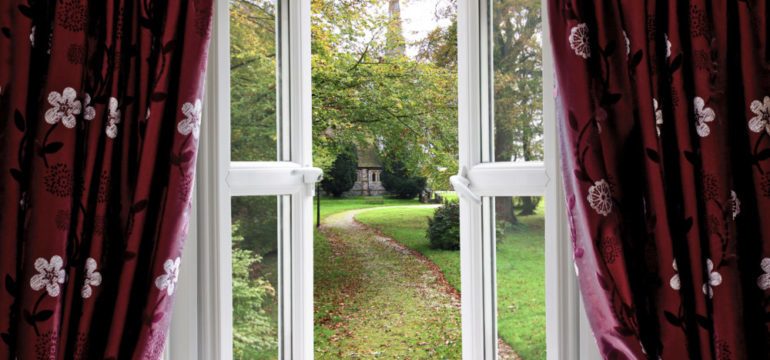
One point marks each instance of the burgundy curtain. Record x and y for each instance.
(100, 104)
(664, 126)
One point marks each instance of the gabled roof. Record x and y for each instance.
(368, 157)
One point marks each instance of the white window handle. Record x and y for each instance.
(461, 184)
(310, 176)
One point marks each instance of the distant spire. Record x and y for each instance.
(396, 45)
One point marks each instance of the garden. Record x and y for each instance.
(384, 75)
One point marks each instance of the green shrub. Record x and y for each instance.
(397, 180)
(342, 175)
(255, 325)
(444, 228)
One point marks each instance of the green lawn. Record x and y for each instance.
(520, 271)
(369, 302)
(331, 206)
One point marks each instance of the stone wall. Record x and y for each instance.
(368, 183)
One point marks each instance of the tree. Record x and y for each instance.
(254, 328)
(253, 82)
(398, 180)
(343, 173)
(365, 93)
(444, 228)
(518, 84)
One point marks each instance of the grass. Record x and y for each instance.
(520, 271)
(448, 195)
(373, 302)
(407, 226)
(331, 206)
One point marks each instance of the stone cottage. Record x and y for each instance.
(368, 182)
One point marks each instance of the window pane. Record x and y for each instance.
(520, 259)
(515, 47)
(253, 96)
(255, 277)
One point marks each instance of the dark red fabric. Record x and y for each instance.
(664, 114)
(99, 118)
(664, 110)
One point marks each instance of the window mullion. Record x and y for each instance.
(298, 79)
(214, 332)
(479, 339)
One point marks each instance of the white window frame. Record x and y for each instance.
(202, 321)
(480, 180)
(292, 178)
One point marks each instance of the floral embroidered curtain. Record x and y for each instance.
(664, 115)
(100, 106)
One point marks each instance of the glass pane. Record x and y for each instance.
(515, 46)
(253, 95)
(255, 277)
(520, 259)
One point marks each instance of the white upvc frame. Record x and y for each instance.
(480, 180)
(291, 178)
(203, 309)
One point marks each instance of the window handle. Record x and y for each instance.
(310, 176)
(461, 184)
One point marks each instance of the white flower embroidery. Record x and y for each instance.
(600, 197)
(168, 280)
(703, 115)
(93, 278)
(49, 275)
(32, 36)
(764, 280)
(668, 47)
(714, 279)
(735, 204)
(580, 41)
(88, 111)
(658, 116)
(762, 120)
(64, 107)
(192, 120)
(628, 43)
(674, 282)
(113, 118)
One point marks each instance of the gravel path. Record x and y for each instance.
(392, 303)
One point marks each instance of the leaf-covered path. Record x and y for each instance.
(376, 298)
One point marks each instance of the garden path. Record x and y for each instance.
(389, 302)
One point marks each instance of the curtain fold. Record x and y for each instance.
(664, 125)
(100, 106)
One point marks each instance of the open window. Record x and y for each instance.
(266, 174)
(490, 173)
(252, 171)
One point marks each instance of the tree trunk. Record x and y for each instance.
(528, 206)
(504, 210)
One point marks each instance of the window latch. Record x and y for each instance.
(310, 176)
(461, 184)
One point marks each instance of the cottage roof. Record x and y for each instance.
(368, 157)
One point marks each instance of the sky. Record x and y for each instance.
(419, 18)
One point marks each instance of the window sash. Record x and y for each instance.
(488, 179)
(210, 297)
